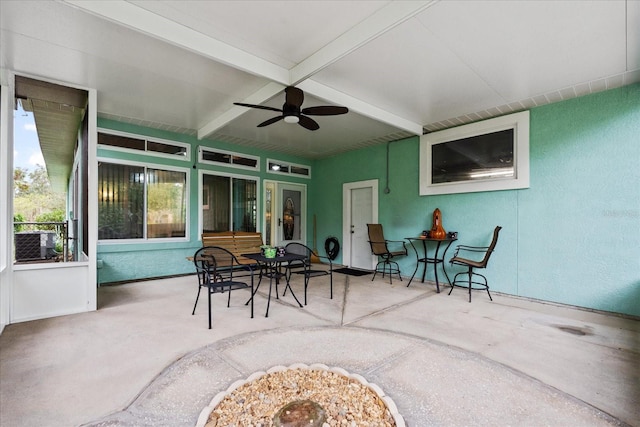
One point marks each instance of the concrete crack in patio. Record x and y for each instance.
(344, 299)
(386, 309)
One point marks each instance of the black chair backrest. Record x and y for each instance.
(376, 239)
(298, 249)
(492, 246)
(211, 259)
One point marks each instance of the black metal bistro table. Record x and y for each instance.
(435, 259)
(272, 268)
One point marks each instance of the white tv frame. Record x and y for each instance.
(517, 121)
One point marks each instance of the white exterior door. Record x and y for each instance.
(360, 208)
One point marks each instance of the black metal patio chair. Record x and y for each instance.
(457, 259)
(219, 271)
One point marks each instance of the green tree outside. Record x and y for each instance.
(34, 198)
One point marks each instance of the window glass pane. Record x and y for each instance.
(121, 141)
(278, 167)
(300, 170)
(291, 215)
(159, 147)
(166, 203)
(244, 205)
(216, 214)
(237, 160)
(212, 156)
(121, 201)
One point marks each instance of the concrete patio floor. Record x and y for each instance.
(142, 359)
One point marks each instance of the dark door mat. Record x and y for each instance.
(352, 271)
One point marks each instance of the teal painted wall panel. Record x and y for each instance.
(325, 195)
(573, 237)
(580, 221)
(132, 261)
(144, 264)
(404, 213)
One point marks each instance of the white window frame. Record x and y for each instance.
(146, 239)
(202, 149)
(146, 139)
(520, 179)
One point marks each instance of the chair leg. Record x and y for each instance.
(470, 275)
(397, 270)
(393, 268)
(196, 304)
(209, 295)
(486, 285)
(376, 271)
(388, 267)
(331, 282)
(306, 284)
(251, 296)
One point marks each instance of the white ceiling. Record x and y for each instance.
(399, 66)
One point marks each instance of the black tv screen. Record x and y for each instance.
(477, 157)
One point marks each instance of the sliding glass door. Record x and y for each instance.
(228, 203)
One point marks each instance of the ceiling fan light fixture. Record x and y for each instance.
(291, 112)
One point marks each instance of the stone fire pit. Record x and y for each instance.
(298, 395)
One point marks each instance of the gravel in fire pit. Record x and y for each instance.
(346, 401)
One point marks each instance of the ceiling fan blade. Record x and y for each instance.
(270, 121)
(262, 107)
(308, 123)
(325, 110)
(293, 96)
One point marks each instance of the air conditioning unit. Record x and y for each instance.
(35, 245)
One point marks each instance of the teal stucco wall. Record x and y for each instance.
(121, 262)
(573, 237)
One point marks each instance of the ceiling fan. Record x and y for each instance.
(291, 112)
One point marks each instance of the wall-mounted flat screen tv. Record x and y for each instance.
(475, 157)
(483, 156)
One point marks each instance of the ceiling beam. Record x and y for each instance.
(136, 18)
(360, 107)
(377, 24)
(385, 18)
(264, 94)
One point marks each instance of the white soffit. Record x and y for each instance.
(527, 56)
